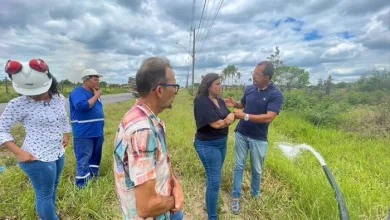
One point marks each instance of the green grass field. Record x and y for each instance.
(12, 94)
(290, 190)
(4, 97)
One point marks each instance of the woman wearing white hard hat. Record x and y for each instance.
(41, 110)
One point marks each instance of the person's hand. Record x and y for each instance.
(97, 92)
(65, 140)
(230, 119)
(230, 102)
(178, 195)
(239, 114)
(24, 156)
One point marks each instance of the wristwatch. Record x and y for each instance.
(246, 118)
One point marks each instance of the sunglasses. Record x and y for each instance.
(13, 67)
(177, 86)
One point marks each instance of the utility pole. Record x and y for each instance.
(193, 61)
(188, 74)
(6, 85)
(328, 85)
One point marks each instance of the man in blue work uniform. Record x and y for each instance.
(261, 104)
(87, 118)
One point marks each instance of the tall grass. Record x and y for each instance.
(290, 189)
(4, 97)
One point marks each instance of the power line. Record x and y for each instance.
(193, 12)
(192, 24)
(208, 28)
(201, 19)
(203, 28)
(215, 16)
(210, 14)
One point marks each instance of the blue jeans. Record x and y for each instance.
(177, 216)
(44, 177)
(258, 150)
(212, 154)
(88, 152)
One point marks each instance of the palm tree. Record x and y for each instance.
(230, 72)
(226, 74)
(238, 75)
(233, 71)
(222, 76)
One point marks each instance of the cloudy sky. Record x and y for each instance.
(326, 37)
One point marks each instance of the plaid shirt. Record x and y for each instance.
(140, 155)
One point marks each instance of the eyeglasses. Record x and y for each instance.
(177, 86)
(257, 74)
(13, 67)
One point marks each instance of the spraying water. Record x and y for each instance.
(293, 152)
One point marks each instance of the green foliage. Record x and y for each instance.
(112, 89)
(320, 112)
(290, 189)
(352, 111)
(288, 77)
(341, 85)
(275, 58)
(354, 107)
(376, 79)
(4, 97)
(326, 112)
(369, 120)
(67, 82)
(296, 100)
(103, 84)
(231, 74)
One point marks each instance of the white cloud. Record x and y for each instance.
(342, 51)
(56, 24)
(342, 38)
(377, 31)
(342, 70)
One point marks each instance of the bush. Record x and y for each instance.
(326, 112)
(369, 120)
(236, 95)
(4, 98)
(296, 100)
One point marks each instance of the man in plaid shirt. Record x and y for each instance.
(145, 184)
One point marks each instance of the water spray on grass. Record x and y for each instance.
(292, 152)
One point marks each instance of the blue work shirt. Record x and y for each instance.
(86, 122)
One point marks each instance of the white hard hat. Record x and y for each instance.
(90, 72)
(31, 82)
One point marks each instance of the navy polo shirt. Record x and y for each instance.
(258, 102)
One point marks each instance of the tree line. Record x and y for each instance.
(288, 78)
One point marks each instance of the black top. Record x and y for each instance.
(206, 112)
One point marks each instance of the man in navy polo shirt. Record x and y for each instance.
(261, 104)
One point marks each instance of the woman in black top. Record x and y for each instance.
(212, 121)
